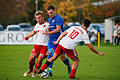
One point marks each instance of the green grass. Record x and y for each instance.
(14, 62)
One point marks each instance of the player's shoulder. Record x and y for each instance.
(49, 19)
(59, 17)
(80, 29)
(37, 24)
(46, 23)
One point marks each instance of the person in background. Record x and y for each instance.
(93, 38)
(115, 34)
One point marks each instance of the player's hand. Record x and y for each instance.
(44, 32)
(48, 29)
(100, 54)
(54, 42)
(26, 38)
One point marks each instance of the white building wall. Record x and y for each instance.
(109, 26)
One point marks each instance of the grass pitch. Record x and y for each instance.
(14, 62)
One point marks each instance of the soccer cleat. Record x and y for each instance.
(34, 75)
(74, 78)
(69, 69)
(50, 73)
(27, 73)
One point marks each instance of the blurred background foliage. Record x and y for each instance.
(17, 11)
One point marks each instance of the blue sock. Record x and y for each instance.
(66, 61)
(49, 56)
(50, 66)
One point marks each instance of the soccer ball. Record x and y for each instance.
(44, 74)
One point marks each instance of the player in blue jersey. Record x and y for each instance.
(55, 29)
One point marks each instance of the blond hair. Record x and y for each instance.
(38, 12)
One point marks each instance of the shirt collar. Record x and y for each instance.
(41, 23)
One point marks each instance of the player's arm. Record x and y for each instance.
(94, 50)
(60, 37)
(54, 31)
(30, 35)
(59, 22)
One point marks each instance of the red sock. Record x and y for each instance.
(37, 66)
(31, 64)
(73, 71)
(45, 65)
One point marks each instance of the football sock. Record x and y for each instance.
(72, 74)
(31, 64)
(49, 56)
(45, 65)
(66, 61)
(37, 66)
(50, 69)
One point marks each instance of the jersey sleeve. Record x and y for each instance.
(35, 28)
(59, 21)
(47, 25)
(86, 39)
(69, 29)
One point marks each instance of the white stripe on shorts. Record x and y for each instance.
(74, 52)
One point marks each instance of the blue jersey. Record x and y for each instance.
(57, 20)
(53, 22)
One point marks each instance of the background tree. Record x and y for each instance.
(102, 12)
(67, 10)
(31, 9)
(6, 11)
(17, 11)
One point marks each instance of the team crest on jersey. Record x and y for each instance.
(44, 25)
(37, 30)
(53, 21)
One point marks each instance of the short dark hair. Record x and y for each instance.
(51, 7)
(86, 22)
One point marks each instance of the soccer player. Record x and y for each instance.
(55, 29)
(40, 48)
(67, 42)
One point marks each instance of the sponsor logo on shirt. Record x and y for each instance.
(44, 25)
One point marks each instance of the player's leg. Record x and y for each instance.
(74, 56)
(33, 56)
(50, 54)
(47, 63)
(38, 64)
(74, 66)
(58, 52)
(66, 62)
(31, 63)
(42, 55)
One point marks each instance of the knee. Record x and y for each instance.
(62, 58)
(50, 52)
(32, 59)
(39, 61)
(76, 59)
